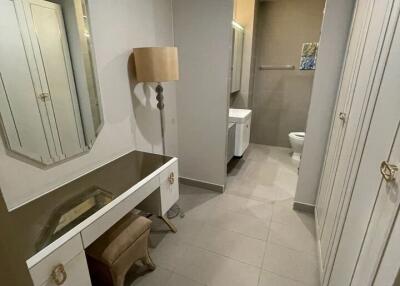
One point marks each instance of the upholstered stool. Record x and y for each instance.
(114, 253)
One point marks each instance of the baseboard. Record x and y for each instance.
(202, 184)
(303, 207)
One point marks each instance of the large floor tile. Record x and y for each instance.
(215, 270)
(284, 213)
(192, 197)
(286, 179)
(167, 251)
(296, 265)
(271, 279)
(179, 280)
(255, 208)
(155, 278)
(300, 237)
(250, 189)
(244, 224)
(232, 244)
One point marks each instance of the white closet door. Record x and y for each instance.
(366, 77)
(375, 201)
(52, 55)
(385, 214)
(336, 134)
(369, 206)
(388, 271)
(346, 116)
(19, 88)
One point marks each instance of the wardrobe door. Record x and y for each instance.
(375, 198)
(336, 133)
(326, 203)
(19, 88)
(366, 77)
(47, 33)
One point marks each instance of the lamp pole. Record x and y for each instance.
(160, 106)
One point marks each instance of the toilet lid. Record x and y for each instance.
(298, 134)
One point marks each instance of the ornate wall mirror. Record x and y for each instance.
(49, 98)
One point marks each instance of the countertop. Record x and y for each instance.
(24, 228)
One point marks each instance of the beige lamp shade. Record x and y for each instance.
(156, 64)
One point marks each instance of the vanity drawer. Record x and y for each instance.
(169, 187)
(64, 255)
(76, 271)
(106, 221)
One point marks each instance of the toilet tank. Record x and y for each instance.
(242, 118)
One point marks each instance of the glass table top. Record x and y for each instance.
(35, 225)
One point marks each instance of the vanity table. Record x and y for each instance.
(53, 231)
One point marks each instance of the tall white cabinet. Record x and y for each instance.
(237, 57)
(355, 204)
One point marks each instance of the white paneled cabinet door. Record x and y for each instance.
(237, 58)
(375, 199)
(361, 74)
(338, 125)
(49, 42)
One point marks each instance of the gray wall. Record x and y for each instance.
(281, 98)
(117, 27)
(333, 45)
(203, 34)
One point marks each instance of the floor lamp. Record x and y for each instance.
(157, 65)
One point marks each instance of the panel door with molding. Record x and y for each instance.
(375, 197)
(49, 42)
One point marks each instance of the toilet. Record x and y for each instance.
(296, 141)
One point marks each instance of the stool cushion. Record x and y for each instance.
(115, 241)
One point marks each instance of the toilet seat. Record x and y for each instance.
(297, 135)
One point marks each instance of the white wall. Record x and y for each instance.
(117, 27)
(203, 34)
(333, 43)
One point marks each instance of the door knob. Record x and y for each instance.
(44, 96)
(342, 116)
(388, 171)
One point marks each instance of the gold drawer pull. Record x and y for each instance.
(59, 275)
(171, 178)
(388, 171)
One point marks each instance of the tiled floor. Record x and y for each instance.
(247, 236)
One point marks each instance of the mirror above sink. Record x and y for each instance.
(50, 109)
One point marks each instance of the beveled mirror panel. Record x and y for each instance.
(49, 99)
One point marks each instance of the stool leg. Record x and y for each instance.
(149, 262)
(118, 280)
(170, 225)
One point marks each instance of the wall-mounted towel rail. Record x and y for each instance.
(277, 67)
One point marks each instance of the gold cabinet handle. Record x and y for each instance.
(388, 171)
(171, 178)
(59, 275)
(342, 116)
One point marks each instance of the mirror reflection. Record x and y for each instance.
(49, 104)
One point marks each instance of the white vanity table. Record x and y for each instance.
(136, 178)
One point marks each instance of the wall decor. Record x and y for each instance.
(308, 58)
